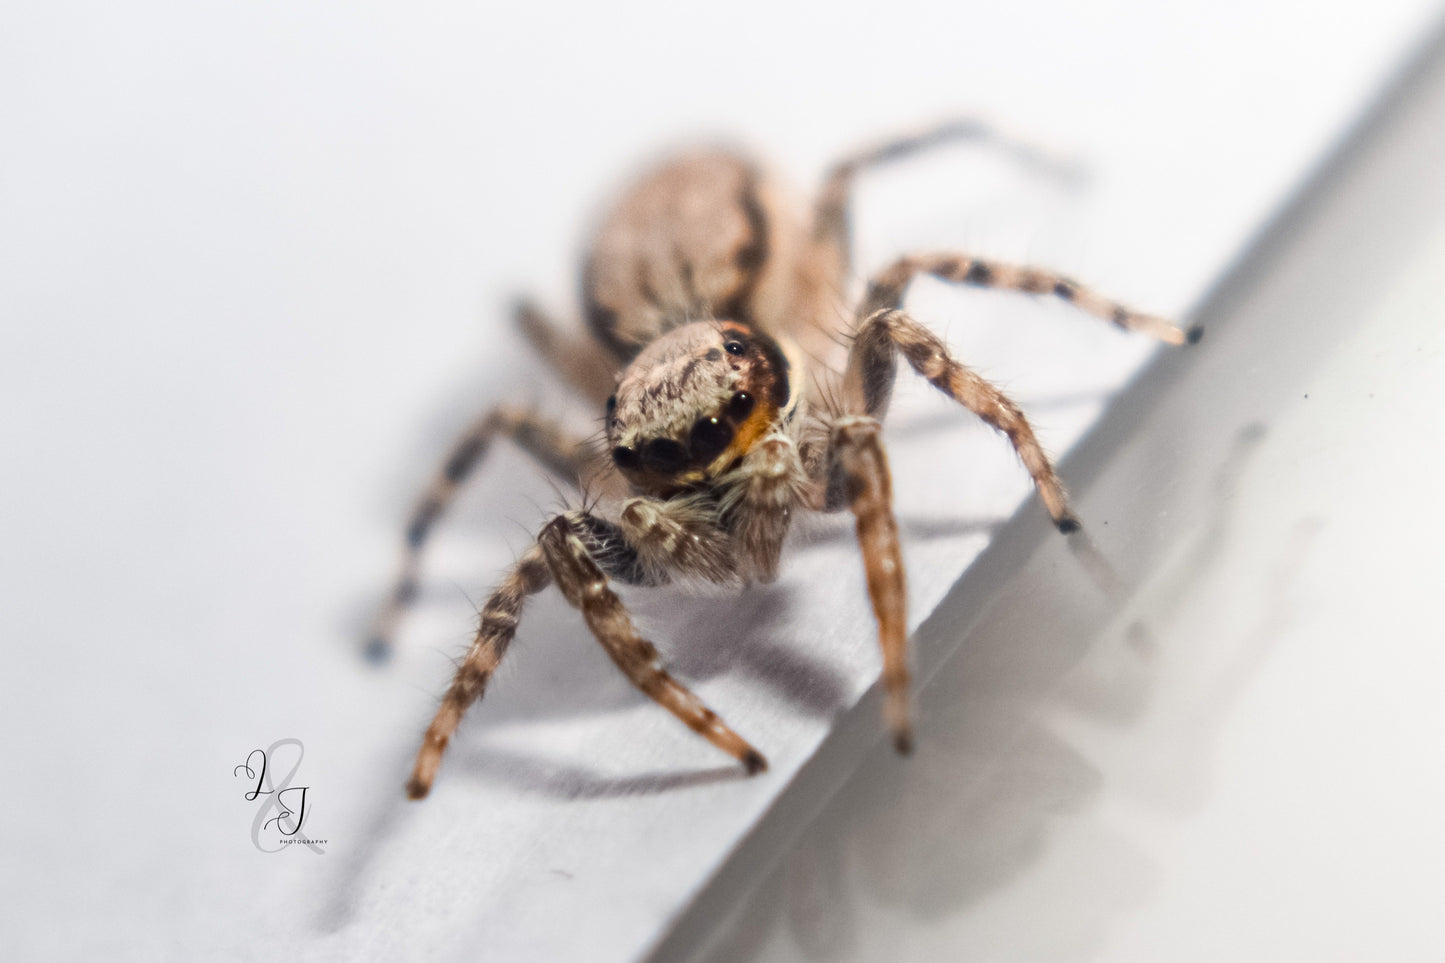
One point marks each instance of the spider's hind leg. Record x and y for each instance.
(832, 212)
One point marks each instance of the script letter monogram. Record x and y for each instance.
(288, 802)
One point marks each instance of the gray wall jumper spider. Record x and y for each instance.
(715, 312)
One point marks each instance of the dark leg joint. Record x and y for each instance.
(421, 523)
(1194, 334)
(461, 460)
(754, 762)
(1068, 525)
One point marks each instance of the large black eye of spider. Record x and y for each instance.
(740, 406)
(708, 438)
(626, 457)
(734, 346)
(664, 456)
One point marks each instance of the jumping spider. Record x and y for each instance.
(713, 308)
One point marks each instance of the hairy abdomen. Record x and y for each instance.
(704, 236)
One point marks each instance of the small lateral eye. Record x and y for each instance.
(733, 346)
(611, 405)
(740, 406)
(626, 457)
(708, 438)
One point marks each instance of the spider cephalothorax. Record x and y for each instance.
(697, 286)
(695, 402)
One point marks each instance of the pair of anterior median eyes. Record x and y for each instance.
(709, 437)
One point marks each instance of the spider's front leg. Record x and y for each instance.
(571, 551)
(565, 543)
(858, 474)
(495, 631)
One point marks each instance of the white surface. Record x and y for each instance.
(1233, 751)
(244, 253)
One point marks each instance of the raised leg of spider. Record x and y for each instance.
(548, 442)
(887, 288)
(581, 360)
(872, 367)
(571, 551)
(858, 470)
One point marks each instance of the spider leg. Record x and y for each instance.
(858, 469)
(831, 212)
(494, 633)
(868, 382)
(564, 542)
(577, 551)
(887, 288)
(581, 360)
(543, 438)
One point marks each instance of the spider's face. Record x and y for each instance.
(694, 402)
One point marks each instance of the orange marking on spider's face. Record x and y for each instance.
(751, 430)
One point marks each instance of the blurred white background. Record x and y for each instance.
(254, 262)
